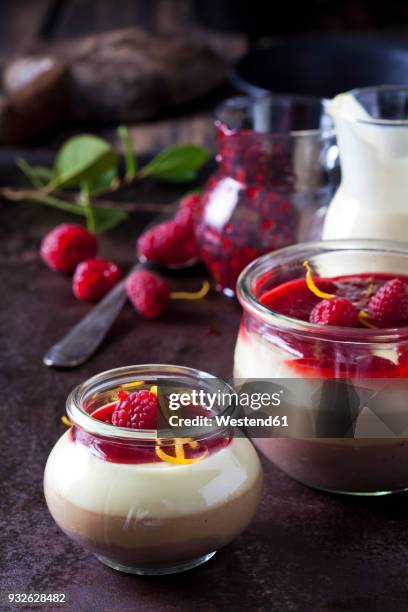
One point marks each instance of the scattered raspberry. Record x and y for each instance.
(390, 303)
(173, 242)
(189, 203)
(138, 411)
(336, 311)
(64, 247)
(94, 278)
(148, 292)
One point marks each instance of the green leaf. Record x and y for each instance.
(107, 218)
(83, 159)
(39, 176)
(178, 163)
(103, 182)
(130, 159)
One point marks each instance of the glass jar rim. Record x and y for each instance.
(374, 121)
(350, 335)
(127, 374)
(241, 102)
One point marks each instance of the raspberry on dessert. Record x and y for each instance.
(137, 411)
(148, 292)
(94, 278)
(390, 303)
(336, 311)
(173, 242)
(64, 247)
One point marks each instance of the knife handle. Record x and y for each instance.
(84, 339)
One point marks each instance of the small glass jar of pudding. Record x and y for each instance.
(320, 312)
(140, 499)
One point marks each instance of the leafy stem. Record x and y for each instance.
(87, 167)
(130, 159)
(38, 197)
(85, 202)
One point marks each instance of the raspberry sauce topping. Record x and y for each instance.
(383, 298)
(376, 301)
(139, 410)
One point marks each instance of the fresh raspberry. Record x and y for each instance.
(148, 292)
(137, 411)
(94, 278)
(64, 247)
(189, 203)
(173, 242)
(336, 311)
(390, 303)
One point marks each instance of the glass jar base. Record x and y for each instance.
(359, 493)
(157, 571)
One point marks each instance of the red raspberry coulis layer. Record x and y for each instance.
(121, 452)
(330, 359)
(294, 298)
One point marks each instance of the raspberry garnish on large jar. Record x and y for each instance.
(271, 184)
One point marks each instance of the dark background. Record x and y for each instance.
(21, 20)
(305, 550)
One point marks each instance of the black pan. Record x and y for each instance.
(322, 65)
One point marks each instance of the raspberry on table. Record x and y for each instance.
(189, 203)
(148, 292)
(94, 278)
(390, 303)
(336, 311)
(64, 247)
(138, 411)
(173, 242)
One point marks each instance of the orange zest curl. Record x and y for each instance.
(194, 295)
(137, 383)
(180, 457)
(312, 285)
(363, 317)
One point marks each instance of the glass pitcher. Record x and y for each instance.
(372, 134)
(277, 173)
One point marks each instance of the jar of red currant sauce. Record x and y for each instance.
(277, 172)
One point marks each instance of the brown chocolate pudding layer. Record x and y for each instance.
(352, 465)
(148, 542)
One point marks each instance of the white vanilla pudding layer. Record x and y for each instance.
(356, 465)
(150, 490)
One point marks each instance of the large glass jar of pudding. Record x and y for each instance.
(141, 500)
(277, 172)
(354, 443)
(372, 134)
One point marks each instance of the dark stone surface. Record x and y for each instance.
(305, 550)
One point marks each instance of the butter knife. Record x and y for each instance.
(86, 336)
